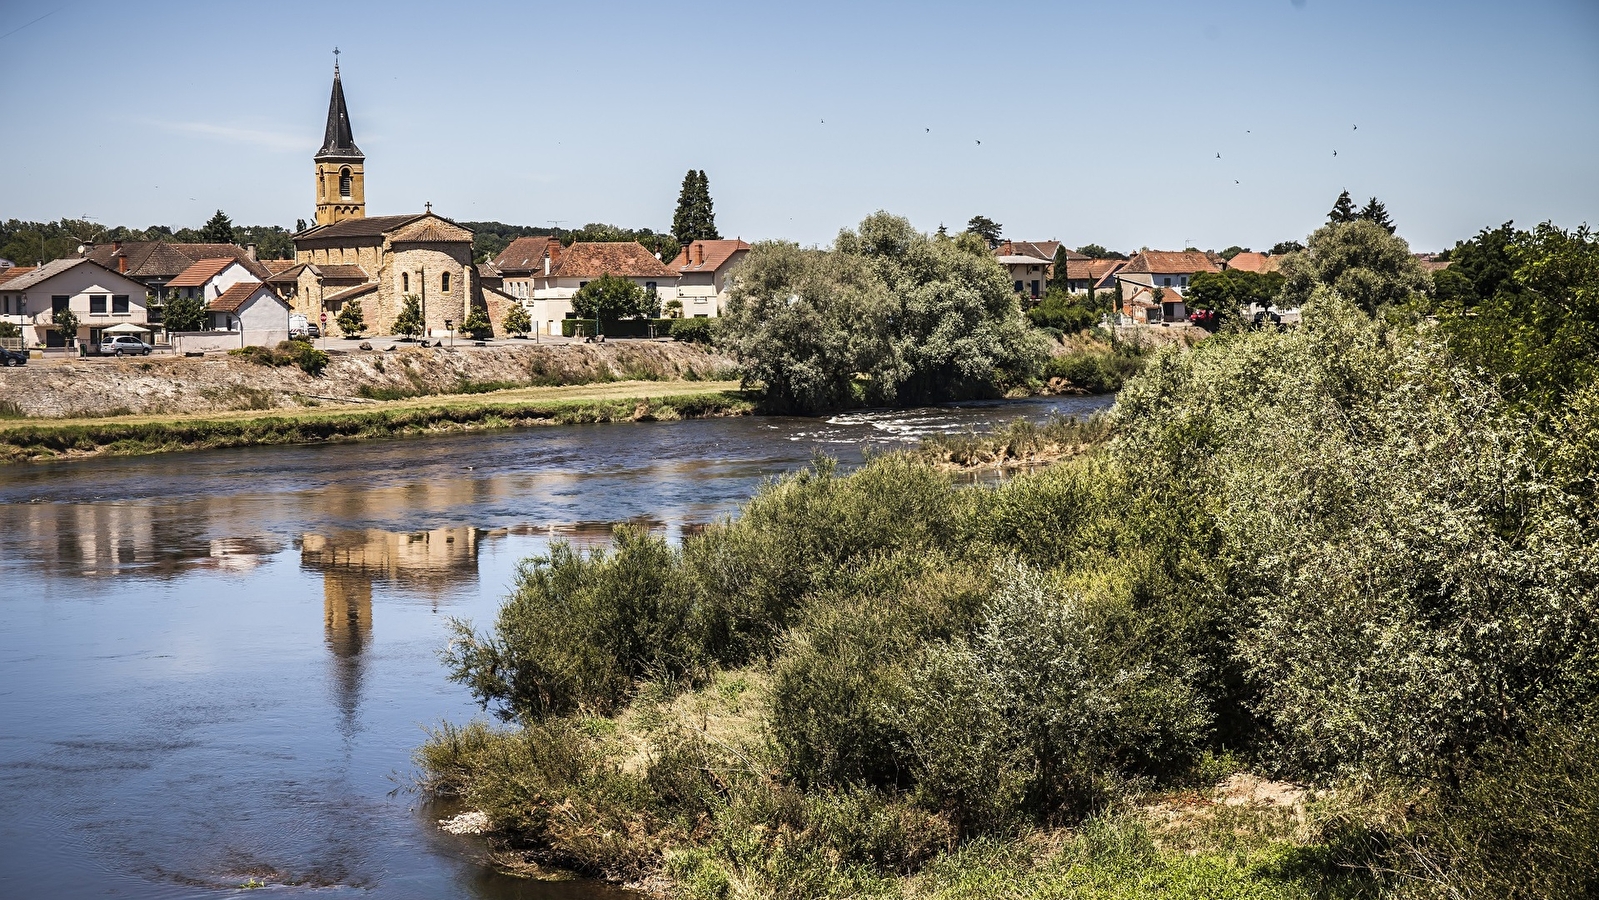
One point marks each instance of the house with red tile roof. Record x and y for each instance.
(567, 269)
(704, 275)
(252, 309)
(1249, 261)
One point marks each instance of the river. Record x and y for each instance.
(214, 666)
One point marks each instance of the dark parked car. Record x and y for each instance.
(124, 343)
(313, 330)
(13, 357)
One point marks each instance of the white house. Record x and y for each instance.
(567, 269)
(704, 270)
(253, 310)
(99, 297)
(209, 279)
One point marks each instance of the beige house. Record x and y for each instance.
(704, 275)
(568, 269)
(98, 296)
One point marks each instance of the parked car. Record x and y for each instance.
(13, 357)
(124, 343)
(313, 330)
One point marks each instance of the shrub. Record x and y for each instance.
(288, 353)
(694, 331)
(409, 322)
(517, 320)
(350, 320)
(1064, 312)
(477, 324)
(578, 631)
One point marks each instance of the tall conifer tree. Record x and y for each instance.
(1343, 212)
(1376, 212)
(708, 230)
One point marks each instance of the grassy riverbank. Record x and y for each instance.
(32, 439)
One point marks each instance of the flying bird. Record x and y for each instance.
(979, 143)
(1354, 128)
(1236, 181)
(1335, 153)
(1218, 156)
(929, 130)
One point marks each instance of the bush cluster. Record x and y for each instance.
(1328, 552)
(286, 353)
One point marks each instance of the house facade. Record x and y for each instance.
(252, 309)
(567, 269)
(96, 295)
(704, 275)
(208, 279)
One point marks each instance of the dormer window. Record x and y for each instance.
(344, 182)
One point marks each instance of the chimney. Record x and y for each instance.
(122, 264)
(699, 252)
(116, 246)
(249, 250)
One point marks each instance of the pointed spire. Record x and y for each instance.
(337, 141)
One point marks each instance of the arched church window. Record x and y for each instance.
(446, 281)
(405, 282)
(344, 182)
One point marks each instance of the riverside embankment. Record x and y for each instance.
(129, 407)
(93, 388)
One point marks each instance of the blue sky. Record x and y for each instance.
(1098, 121)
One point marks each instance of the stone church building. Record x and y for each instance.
(349, 256)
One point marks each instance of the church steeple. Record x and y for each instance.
(340, 165)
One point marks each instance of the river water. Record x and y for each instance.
(214, 666)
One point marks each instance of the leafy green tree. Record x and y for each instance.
(674, 308)
(350, 319)
(1537, 329)
(67, 321)
(1285, 247)
(985, 228)
(609, 298)
(1229, 291)
(517, 321)
(1233, 251)
(1095, 251)
(217, 230)
(1359, 260)
(922, 319)
(409, 322)
(1343, 211)
(183, 313)
(477, 323)
(1375, 212)
(10, 329)
(1063, 311)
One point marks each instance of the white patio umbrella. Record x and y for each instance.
(125, 328)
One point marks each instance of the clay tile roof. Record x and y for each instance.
(342, 273)
(275, 266)
(593, 259)
(1170, 262)
(430, 230)
(715, 255)
(286, 276)
(161, 260)
(367, 226)
(523, 254)
(45, 272)
(234, 298)
(201, 272)
(11, 272)
(350, 294)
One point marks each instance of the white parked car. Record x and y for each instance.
(124, 343)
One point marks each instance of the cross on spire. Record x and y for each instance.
(429, 206)
(335, 60)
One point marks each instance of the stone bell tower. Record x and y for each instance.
(340, 166)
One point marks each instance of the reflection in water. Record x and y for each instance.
(426, 562)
